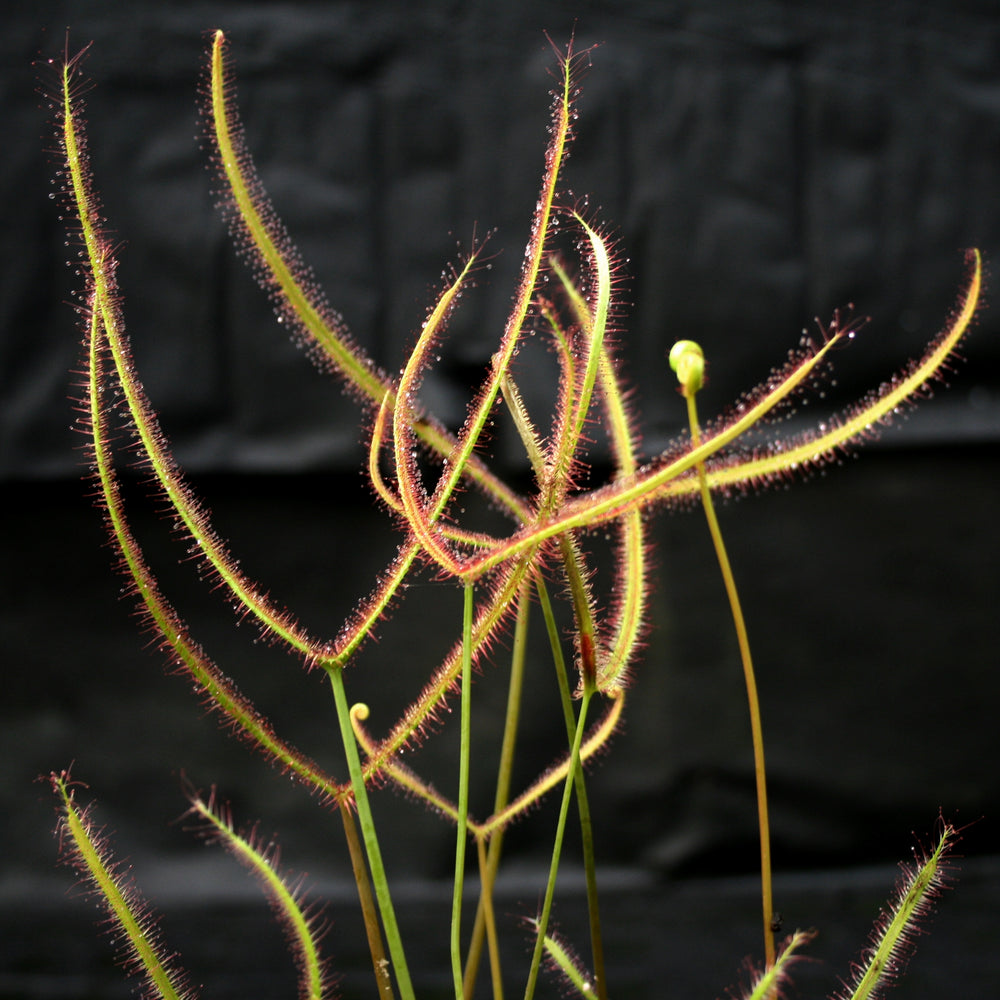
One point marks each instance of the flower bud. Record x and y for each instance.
(688, 360)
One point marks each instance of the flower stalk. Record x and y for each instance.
(688, 362)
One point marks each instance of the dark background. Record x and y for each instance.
(762, 164)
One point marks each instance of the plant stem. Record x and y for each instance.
(462, 835)
(582, 799)
(767, 901)
(542, 923)
(489, 862)
(501, 798)
(367, 900)
(381, 883)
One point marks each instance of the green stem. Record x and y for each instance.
(582, 800)
(462, 835)
(767, 901)
(381, 883)
(485, 926)
(367, 900)
(502, 794)
(542, 923)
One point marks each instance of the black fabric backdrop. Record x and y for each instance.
(763, 163)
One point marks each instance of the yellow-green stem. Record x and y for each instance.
(757, 732)
(500, 800)
(375, 863)
(582, 799)
(366, 897)
(462, 835)
(550, 889)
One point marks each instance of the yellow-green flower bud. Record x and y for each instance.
(688, 360)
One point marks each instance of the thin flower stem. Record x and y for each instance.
(541, 925)
(462, 835)
(500, 800)
(366, 898)
(590, 874)
(582, 799)
(381, 883)
(488, 863)
(763, 821)
(687, 360)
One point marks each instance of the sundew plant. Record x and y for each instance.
(419, 471)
